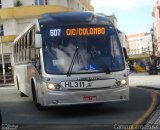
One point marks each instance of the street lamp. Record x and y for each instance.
(3, 65)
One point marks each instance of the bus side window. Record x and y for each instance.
(24, 48)
(20, 50)
(27, 48)
(17, 51)
(23, 51)
(33, 38)
(32, 47)
(24, 39)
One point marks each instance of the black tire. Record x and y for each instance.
(39, 106)
(22, 94)
(17, 84)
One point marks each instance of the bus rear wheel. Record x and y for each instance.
(22, 94)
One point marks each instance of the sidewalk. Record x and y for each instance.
(148, 81)
(144, 79)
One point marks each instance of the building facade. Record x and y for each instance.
(140, 45)
(15, 15)
(124, 41)
(156, 15)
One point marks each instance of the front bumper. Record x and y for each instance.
(60, 98)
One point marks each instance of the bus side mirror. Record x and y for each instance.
(38, 40)
(125, 53)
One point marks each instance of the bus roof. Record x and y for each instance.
(70, 18)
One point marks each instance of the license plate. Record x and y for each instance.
(89, 98)
(75, 84)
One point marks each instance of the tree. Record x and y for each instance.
(18, 3)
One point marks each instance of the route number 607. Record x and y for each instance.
(55, 32)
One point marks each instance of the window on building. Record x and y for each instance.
(36, 2)
(1, 30)
(78, 5)
(68, 3)
(41, 2)
(46, 2)
(0, 4)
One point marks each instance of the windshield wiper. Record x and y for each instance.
(72, 62)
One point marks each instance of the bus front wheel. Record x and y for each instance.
(39, 106)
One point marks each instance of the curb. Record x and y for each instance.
(148, 87)
(137, 124)
(6, 85)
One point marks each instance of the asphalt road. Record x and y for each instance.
(23, 114)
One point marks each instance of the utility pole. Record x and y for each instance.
(153, 46)
(153, 68)
(2, 57)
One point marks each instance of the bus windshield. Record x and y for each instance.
(90, 49)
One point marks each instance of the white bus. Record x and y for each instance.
(70, 58)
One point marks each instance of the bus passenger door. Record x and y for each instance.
(37, 61)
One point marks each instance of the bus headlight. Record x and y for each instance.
(121, 83)
(53, 86)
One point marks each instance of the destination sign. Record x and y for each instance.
(85, 31)
(77, 31)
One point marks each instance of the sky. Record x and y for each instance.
(134, 16)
